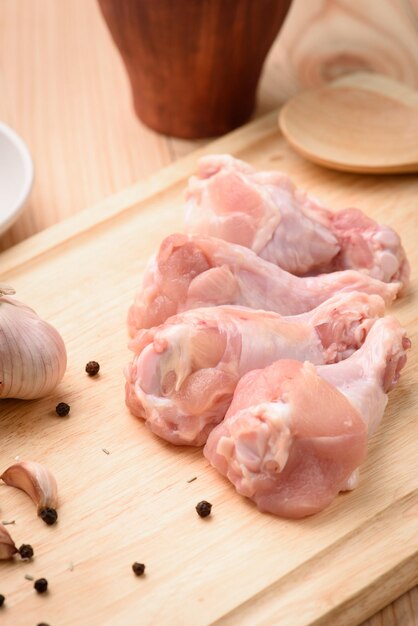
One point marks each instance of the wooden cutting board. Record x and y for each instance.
(136, 502)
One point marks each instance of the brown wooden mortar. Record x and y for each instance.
(194, 65)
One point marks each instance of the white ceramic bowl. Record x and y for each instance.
(16, 176)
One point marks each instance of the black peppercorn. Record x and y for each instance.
(41, 585)
(203, 508)
(92, 368)
(2, 599)
(48, 515)
(138, 569)
(43, 624)
(62, 409)
(26, 551)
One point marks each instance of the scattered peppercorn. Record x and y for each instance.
(41, 585)
(43, 624)
(62, 409)
(203, 508)
(48, 515)
(138, 569)
(26, 551)
(92, 368)
(2, 599)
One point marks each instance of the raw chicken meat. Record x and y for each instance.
(190, 272)
(260, 210)
(368, 246)
(374, 370)
(265, 212)
(185, 371)
(295, 434)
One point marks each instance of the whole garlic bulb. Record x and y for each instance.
(32, 353)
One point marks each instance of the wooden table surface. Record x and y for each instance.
(63, 88)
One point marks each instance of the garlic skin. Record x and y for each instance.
(7, 545)
(33, 358)
(35, 480)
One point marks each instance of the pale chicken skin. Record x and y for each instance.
(192, 271)
(184, 372)
(266, 212)
(295, 434)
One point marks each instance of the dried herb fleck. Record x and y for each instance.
(203, 508)
(41, 585)
(48, 515)
(62, 409)
(92, 368)
(138, 569)
(26, 551)
(192, 479)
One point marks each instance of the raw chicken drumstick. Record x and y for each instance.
(185, 371)
(265, 212)
(190, 272)
(295, 434)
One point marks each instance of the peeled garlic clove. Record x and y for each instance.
(32, 353)
(7, 545)
(36, 480)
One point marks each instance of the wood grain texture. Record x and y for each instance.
(324, 39)
(239, 566)
(62, 86)
(194, 66)
(71, 103)
(365, 123)
(64, 89)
